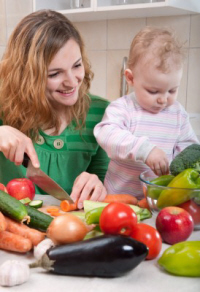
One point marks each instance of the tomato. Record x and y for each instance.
(192, 208)
(117, 218)
(150, 237)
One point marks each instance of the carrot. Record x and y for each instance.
(2, 222)
(52, 209)
(122, 198)
(33, 235)
(56, 214)
(66, 206)
(143, 204)
(14, 242)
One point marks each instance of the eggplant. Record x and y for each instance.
(101, 256)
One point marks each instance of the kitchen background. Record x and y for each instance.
(108, 41)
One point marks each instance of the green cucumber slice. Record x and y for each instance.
(36, 203)
(25, 201)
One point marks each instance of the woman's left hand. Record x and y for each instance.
(88, 186)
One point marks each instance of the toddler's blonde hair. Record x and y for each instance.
(161, 43)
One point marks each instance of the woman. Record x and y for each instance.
(46, 109)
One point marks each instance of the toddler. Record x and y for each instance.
(149, 127)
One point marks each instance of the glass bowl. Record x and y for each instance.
(159, 197)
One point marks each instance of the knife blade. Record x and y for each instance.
(43, 181)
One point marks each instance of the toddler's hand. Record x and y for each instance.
(158, 162)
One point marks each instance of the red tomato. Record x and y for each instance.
(118, 218)
(150, 237)
(192, 208)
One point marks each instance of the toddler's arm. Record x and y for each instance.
(115, 136)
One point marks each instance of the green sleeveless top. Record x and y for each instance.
(66, 156)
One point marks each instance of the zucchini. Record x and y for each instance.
(89, 205)
(142, 213)
(36, 203)
(101, 256)
(38, 220)
(12, 207)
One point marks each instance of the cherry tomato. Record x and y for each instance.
(192, 208)
(118, 218)
(150, 237)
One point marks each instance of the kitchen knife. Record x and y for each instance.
(42, 180)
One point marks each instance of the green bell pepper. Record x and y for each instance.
(182, 259)
(163, 180)
(188, 179)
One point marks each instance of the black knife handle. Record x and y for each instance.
(25, 160)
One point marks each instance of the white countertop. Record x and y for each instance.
(146, 277)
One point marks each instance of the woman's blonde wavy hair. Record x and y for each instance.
(161, 44)
(23, 74)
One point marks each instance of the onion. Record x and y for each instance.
(66, 228)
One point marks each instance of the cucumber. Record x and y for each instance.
(38, 220)
(12, 207)
(25, 201)
(36, 203)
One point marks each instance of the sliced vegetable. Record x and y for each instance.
(118, 218)
(79, 214)
(140, 212)
(36, 203)
(25, 201)
(124, 198)
(12, 207)
(92, 216)
(38, 220)
(93, 233)
(67, 229)
(66, 206)
(102, 256)
(34, 235)
(14, 242)
(52, 209)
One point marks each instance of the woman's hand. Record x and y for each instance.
(14, 144)
(88, 187)
(158, 162)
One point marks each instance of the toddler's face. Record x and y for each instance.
(154, 89)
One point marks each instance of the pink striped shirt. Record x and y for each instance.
(128, 133)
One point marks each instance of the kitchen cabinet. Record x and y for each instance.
(147, 276)
(90, 10)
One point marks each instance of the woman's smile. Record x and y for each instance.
(68, 92)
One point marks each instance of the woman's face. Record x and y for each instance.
(65, 75)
